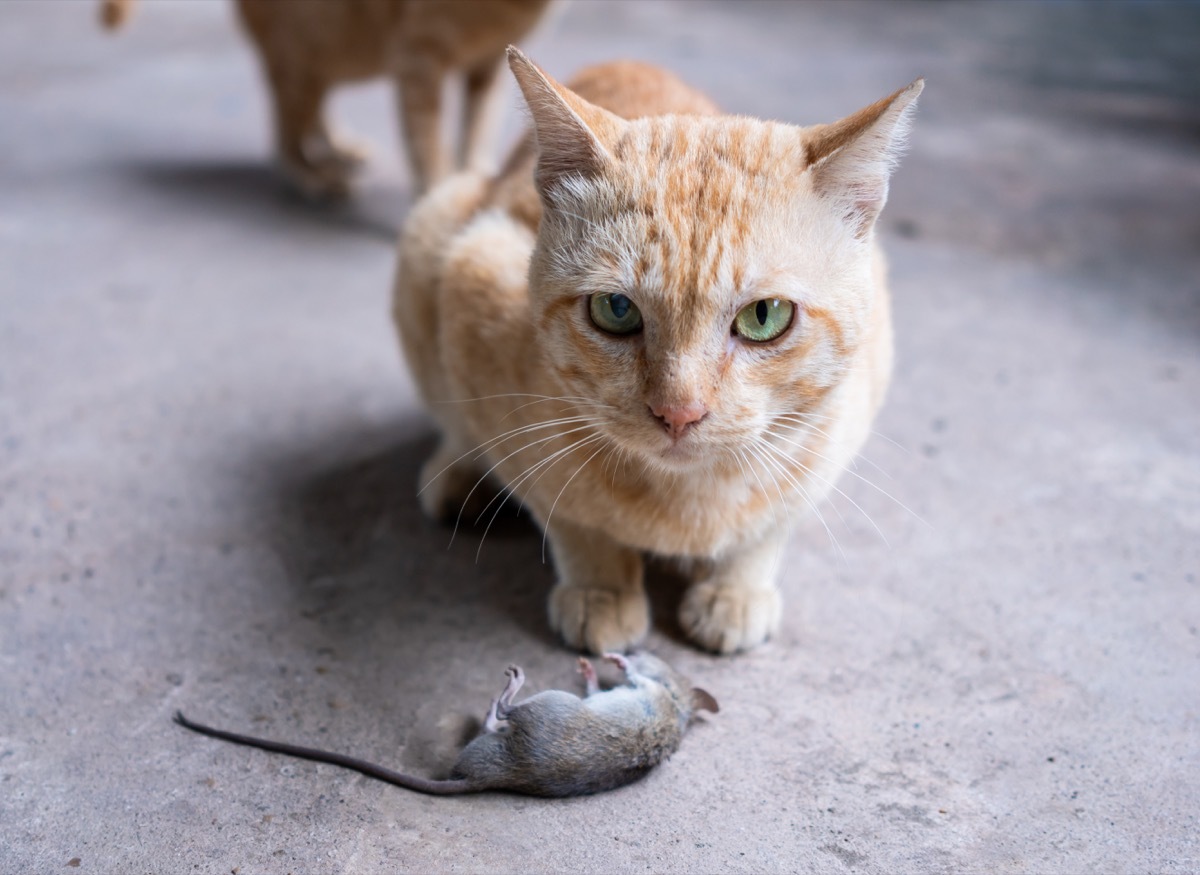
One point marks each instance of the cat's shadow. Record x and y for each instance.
(346, 522)
(253, 191)
(343, 516)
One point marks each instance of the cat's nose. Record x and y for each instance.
(678, 418)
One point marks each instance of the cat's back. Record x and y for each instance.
(629, 89)
(350, 39)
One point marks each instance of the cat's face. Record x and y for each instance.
(696, 299)
(699, 284)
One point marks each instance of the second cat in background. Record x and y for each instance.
(309, 46)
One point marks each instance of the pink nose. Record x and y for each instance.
(678, 418)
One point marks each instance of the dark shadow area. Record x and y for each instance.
(254, 191)
(665, 586)
(343, 516)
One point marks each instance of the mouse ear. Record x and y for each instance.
(702, 700)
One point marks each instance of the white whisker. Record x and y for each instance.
(807, 499)
(560, 495)
(527, 446)
(545, 464)
(877, 488)
(482, 448)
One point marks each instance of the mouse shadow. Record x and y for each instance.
(254, 192)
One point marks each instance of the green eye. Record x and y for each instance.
(615, 314)
(764, 320)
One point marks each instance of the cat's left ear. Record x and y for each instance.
(573, 136)
(852, 159)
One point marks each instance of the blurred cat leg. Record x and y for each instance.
(599, 603)
(480, 115)
(736, 605)
(297, 98)
(419, 90)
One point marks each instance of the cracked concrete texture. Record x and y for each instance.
(208, 448)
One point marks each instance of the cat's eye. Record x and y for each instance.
(615, 314)
(764, 320)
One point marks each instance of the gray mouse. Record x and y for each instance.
(553, 743)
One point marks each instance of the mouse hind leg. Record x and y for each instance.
(503, 704)
(591, 682)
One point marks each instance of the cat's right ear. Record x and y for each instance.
(852, 159)
(573, 136)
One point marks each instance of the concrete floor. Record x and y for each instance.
(208, 447)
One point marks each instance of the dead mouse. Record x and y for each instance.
(554, 743)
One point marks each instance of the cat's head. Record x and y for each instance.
(698, 277)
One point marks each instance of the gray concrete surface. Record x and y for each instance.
(208, 447)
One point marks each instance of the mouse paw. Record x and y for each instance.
(599, 620)
(726, 619)
(618, 660)
(590, 681)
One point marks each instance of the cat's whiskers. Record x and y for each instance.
(550, 515)
(787, 512)
(759, 446)
(515, 395)
(835, 419)
(765, 491)
(790, 423)
(813, 474)
(488, 472)
(870, 483)
(481, 449)
(576, 406)
(545, 465)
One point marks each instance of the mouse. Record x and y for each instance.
(552, 744)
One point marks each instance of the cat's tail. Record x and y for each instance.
(114, 13)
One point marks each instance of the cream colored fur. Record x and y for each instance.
(641, 189)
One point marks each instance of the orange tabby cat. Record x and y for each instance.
(666, 334)
(309, 46)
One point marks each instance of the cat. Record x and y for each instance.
(665, 330)
(308, 46)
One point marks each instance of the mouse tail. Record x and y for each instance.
(410, 782)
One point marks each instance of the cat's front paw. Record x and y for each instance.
(726, 618)
(599, 620)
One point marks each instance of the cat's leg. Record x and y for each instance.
(480, 116)
(419, 90)
(736, 605)
(599, 603)
(298, 97)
